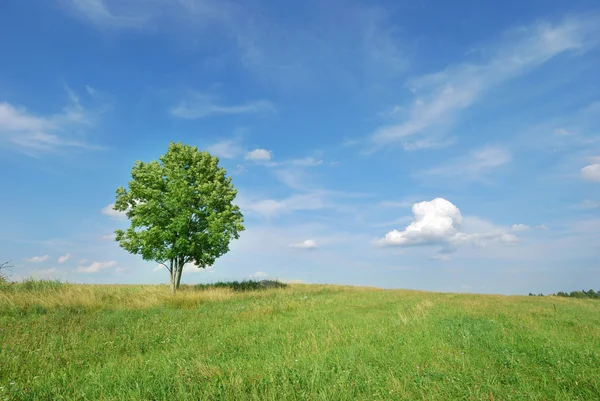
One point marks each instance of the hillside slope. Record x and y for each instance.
(302, 342)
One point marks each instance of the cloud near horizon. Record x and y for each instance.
(307, 244)
(437, 223)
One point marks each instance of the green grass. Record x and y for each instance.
(303, 342)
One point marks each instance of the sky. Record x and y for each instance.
(440, 146)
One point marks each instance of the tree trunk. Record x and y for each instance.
(179, 271)
(172, 273)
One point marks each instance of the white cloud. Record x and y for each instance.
(364, 49)
(228, 149)
(520, 227)
(33, 134)
(96, 267)
(109, 211)
(204, 105)
(306, 162)
(159, 268)
(62, 259)
(259, 275)
(108, 237)
(477, 163)
(192, 268)
(437, 222)
(308, 244)
(591, 172)
(442, 96)
(272, 207)
(37, 259)
(259, 155)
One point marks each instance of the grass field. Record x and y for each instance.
(303, 342)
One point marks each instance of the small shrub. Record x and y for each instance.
(246, 285)
(32, 284)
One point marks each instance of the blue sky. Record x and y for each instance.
(445, 146)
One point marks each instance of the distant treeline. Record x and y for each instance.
(573, 294)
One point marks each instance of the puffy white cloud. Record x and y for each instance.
(435, 222)
(520, 227)
(96, 267)
(259, 275)
(37, 259)
(109, 211)
(64, 258)
(308, 244)
(591, 172)
(259, 155)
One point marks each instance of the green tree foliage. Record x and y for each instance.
(576, 294)
(181, 210)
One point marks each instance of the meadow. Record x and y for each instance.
(299, 342)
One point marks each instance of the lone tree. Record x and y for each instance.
(180, 209)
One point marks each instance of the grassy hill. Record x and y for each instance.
(303, 342)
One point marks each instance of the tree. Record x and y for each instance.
(4, 267)
(181, 210)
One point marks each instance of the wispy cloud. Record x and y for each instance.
(520, 227)
(62, 259)
(589, 204)
(37, 259)
(305, 162)
(364, 47)
(202, 105)
(226, 149)
(34, 134)
(98, 12)
(307, 244)
(442, 96)
(275, 207)
(95, 267)
(475, 164)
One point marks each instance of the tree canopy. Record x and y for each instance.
(181, 210)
